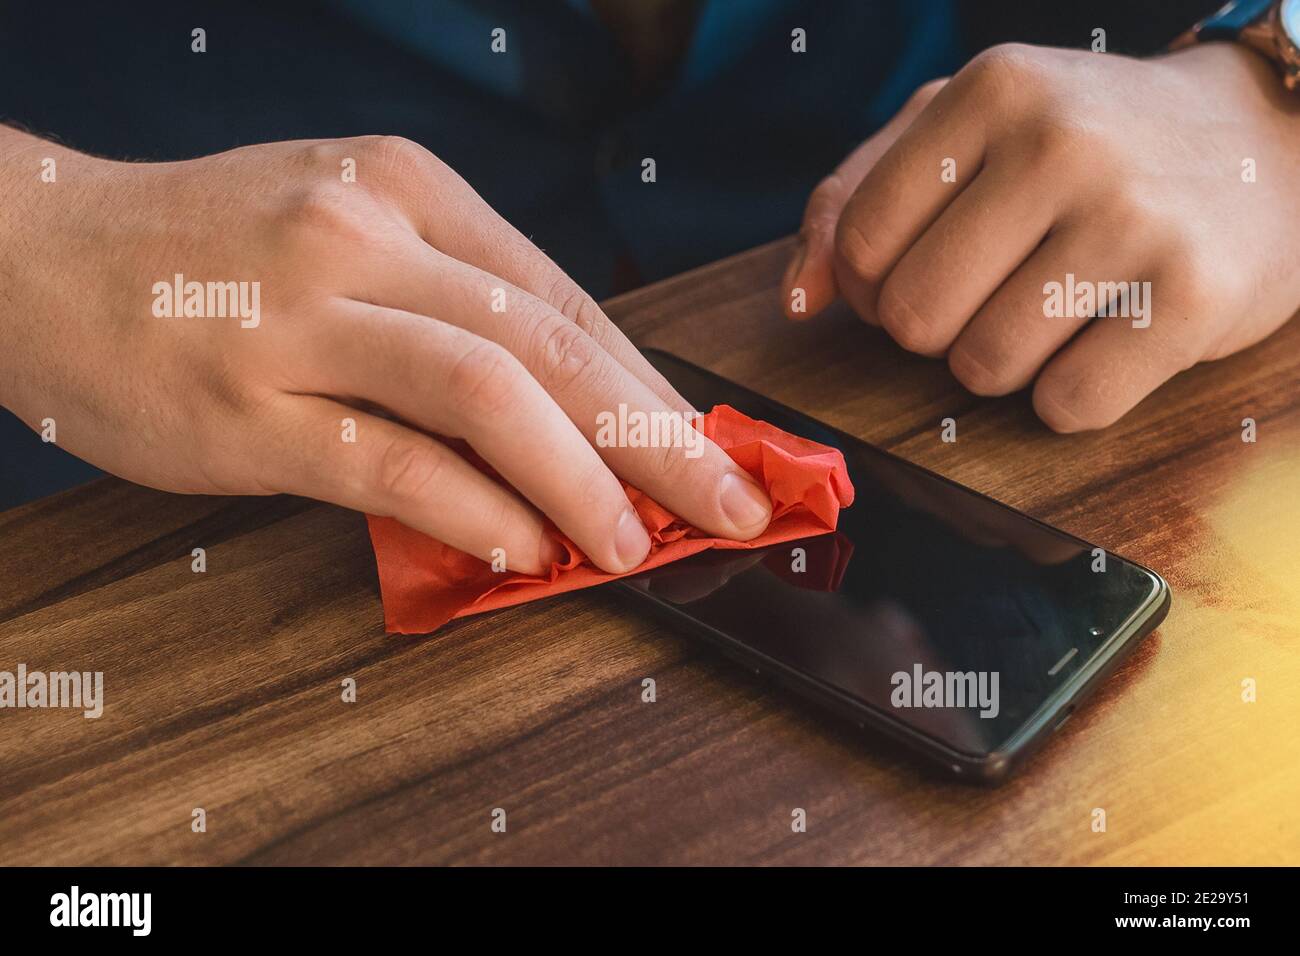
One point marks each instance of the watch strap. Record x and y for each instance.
(1228, 22)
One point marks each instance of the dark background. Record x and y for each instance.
(112, 79)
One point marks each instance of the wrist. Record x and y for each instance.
(1240, 80)
(1214, 57)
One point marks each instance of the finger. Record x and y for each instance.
(1018, 329)
(962, 258)
(450, 216)
(445, 379)
(905, 192)
(1114, 363)
(394, 471)
(690, 476)
(811, 267)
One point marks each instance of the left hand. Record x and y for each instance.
(1111, 169)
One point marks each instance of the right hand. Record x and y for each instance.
(376, 304)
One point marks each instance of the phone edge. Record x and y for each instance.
(992, 768)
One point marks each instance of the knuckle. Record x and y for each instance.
(1055, 408)
(500, 520)
(484, 383)
(567, 296)
(324, 209)
(1002, 70)
(1060, 144)
(407, 470)
(1071, 404)
(567, 355)
(1006, 59)
(233, 381)
(394, 155)
(238, 397)
(322, 155)
(854, 248)
(979, 374)
(663, 464)
(593, 490)
(904, 323)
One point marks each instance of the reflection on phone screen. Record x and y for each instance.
(922, 576)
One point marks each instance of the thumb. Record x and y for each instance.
(808, 286)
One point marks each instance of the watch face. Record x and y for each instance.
(1289, 16)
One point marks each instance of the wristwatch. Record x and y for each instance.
(1270, 27)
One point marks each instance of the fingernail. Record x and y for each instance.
(549, 553)
(745, 504)
(631, 540)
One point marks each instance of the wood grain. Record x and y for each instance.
(223, 689)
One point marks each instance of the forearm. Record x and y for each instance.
(16, 197)
(43, 185)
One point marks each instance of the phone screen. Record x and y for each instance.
(932, 604)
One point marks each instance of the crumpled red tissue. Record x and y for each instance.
(425, 583)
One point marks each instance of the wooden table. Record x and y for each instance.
(223, 689)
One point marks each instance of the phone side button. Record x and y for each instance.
(1061, 723)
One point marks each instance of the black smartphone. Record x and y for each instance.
(946, 620)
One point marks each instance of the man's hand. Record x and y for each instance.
(1182, 171)
(397, 299)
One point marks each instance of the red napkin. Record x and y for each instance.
(425, 583)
